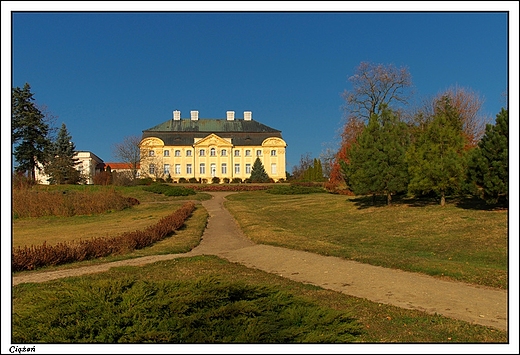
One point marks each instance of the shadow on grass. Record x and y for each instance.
(469, 203)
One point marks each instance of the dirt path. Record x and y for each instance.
(223, 237)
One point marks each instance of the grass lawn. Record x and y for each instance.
(208, 300)
(189, 299)
(457, 242)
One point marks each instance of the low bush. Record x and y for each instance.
(201, 310)
(168, 190)
(30, 258)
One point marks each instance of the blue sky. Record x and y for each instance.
(111, 75)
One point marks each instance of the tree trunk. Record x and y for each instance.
(388, 198)
(443, 199)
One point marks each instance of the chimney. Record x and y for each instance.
(176, 115)
(194, 115)
(230, 115)
(248, 115)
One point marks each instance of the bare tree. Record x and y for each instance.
(128, 151)
(468, 105)
(373, 85)
(306, 161)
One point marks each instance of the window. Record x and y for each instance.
(188, 153)
(166, 169)
(224, 152)
(213, 169)
(202, 168)
(273, 169)
(237, 153)
(224, 168)
(166, 153)
(177, 153)
(151, 153)
(202, 152)
(237, 168)
(212, 152)
(151, 169)
(177, 169)
(259, 153)
(248, 168)
(273, 152)
(248, 152)
(188, 169)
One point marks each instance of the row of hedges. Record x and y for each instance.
(231, 187)
(30, 258)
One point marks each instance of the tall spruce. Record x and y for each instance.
(29, 132)
(436, 159)
(61, 167)
(489, 162)
(258, 173)
(378, 161)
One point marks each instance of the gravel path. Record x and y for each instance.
(223, 237)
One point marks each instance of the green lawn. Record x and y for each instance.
(208, 300)
(461, 243)
(146, 302)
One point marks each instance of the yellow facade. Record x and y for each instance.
(210, 155)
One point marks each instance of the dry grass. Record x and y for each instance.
(465, 244)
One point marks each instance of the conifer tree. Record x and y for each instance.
(318, 170)
(436, 159)
(29, 132)
(258, 173)
(488, 164)
(61, 167)
(377, 161)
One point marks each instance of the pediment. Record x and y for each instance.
(274, 142)
(151, 142)
(213, 139)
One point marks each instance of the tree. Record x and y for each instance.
(314, 172)
(258, 173)
(128, 151)
(29, 132)
(436, 157)
(298, 170)
(468, 105)
(377, 161)
(374, 85)
(349, 136)
(488, 164)
(61, 166)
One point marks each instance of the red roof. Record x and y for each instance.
(120, 166)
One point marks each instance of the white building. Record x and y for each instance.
(89, 165)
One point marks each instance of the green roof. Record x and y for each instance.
(182, 132)
(212, 126)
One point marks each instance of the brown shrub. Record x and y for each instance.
(38, 203)
(30, 258)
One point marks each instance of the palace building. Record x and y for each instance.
(207, 148)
